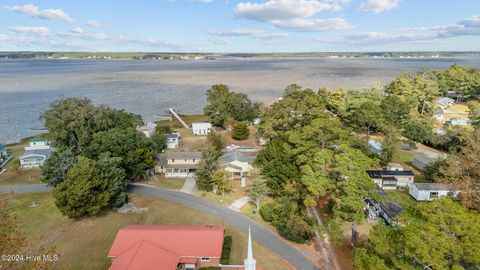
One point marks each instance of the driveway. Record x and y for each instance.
(190, 185)
(261, 234)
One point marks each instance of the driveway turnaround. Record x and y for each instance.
(261, 234)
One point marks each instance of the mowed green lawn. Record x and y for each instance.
(84, 244)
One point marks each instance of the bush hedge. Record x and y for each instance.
(266, 212)
(226, 250)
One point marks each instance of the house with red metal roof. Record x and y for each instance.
(159, 247)
(145, 247)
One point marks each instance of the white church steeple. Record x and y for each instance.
(250, 263)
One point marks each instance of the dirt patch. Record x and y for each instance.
(129, 208)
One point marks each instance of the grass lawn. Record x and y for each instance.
(401, 197)
(189, 119)
(168, 183)
(84, 244)
(228, 198)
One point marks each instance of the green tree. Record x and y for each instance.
(418, 130)
(135, 149)
(73, 122)
(258, 190)
(216, 140)
(439, 235)
(278, 166)
(90, 187)
(396, 110)
(208, 165)
(240, 131)
(474, 113)
(297, 108)
(223, 104)
(222, 182)
(368, 116)
(55, 169)
(390, 144)
(335, 230)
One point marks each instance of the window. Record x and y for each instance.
(185, 159)
(433, 195)
(193, 160)
(173, 160)
(205, 259)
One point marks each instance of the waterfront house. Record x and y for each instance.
(393, 177)
(5, 157)
(201, 128)
(430, 191)
(375, 147)
(177, 164)
(238, 162)
(148, 129)
(172, 140)
(36, 153)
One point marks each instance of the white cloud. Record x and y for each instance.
(46, 14)
(93, 23)
(222, 42)
(36, 30)
(294, 14)
(377, 6)
(78, 30)
(247, 32)
(467, 27)
(4, 38)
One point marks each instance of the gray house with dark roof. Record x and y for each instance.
(391, 179)
(177, 164)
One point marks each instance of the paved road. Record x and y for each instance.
(261, 234)
(25, 188)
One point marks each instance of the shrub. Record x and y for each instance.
(240, 131)
(266, 212)
(295, 229)
(226, 250)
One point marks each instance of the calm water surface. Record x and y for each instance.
(147, 88)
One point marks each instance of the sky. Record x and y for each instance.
(240, 25)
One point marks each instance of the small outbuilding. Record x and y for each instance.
(430, 191)
(201, 128)
(36, 153)
(148, 129)
(172, 140)
(421, 161)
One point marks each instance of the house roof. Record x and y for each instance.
(172, 136)
(431, 186)
(204, 125)
(160, 247)
(239, 155)
(444, 101)
(38, 139)
(386, 173)
(47, 152)
(2, 146)
(423, 158)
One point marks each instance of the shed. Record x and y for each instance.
(430, 191)
(421, 161)
(201, 128)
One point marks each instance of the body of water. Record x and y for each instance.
(148, 88)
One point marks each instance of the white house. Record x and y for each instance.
(391, 178)
(4, 156)
(172, 140)
(430, 191)
(375, 147)
(36, 153)
(239, 163)
(148, 129)
(201, 128)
